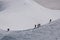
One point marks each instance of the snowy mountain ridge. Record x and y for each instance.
(50, 31)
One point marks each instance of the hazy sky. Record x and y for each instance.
(23, 14)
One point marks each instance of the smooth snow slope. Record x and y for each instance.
(50, 31)
(51, 4)
(24, 14)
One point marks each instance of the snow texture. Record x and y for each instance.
(50, 31)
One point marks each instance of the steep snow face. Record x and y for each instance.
(51, 4)
(23, 14)
(49, 31)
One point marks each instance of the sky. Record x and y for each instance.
(24, 14)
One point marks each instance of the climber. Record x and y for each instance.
(35, 27)
(8, 29)
(50, 20)
(39, 25)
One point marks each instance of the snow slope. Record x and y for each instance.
(23, 14)
(50, 31)
(2, 33)
(51, 4)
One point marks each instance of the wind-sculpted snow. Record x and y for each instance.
(8, 38)
(2, 33)
(50, 31)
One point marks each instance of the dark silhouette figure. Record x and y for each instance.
(8, 29)
(38, 25)
(35, 27)
(50, 20)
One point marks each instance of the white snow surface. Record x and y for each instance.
(24, 14)
(50, 31)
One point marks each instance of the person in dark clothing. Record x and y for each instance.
(8, 29)
(38, 25)
(35, 27)
(50, 20)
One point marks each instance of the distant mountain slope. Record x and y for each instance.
(50, 31)
(51, 4)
